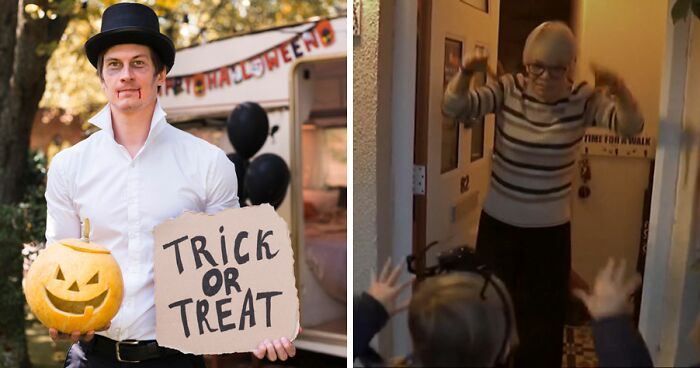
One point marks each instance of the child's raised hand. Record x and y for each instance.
(611, 291)
(385, 289)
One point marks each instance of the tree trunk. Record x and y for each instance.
(37, 39)
(22, 82)
(8, 40)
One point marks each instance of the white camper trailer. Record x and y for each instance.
(298, 75)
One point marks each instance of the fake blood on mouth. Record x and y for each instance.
(130, 90)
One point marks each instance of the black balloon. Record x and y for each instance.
(267, 179)
(248, 127)
(241, 164)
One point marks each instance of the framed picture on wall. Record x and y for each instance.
(477, 126)
(449, 158)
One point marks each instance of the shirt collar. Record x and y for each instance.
(103, 119)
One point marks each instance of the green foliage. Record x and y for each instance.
(12, 300)
(20, 224)
(46, 49)
(33, 206)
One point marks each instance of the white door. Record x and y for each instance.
(458, 159)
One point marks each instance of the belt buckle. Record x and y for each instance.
(126, 342)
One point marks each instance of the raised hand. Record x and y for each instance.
(606, 78)
(476, 61)
(385, 290)
(611, 291)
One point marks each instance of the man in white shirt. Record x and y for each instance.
(129, 177)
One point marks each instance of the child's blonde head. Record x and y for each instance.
(459, 319)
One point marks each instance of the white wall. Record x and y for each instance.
(372, 146)
(364, 146)
(403, 121)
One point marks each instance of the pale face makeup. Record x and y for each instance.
(127, 77)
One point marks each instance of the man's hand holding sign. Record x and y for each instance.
(225, 283)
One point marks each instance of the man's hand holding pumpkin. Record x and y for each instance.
(75, 335)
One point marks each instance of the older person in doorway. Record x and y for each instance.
(524, 230)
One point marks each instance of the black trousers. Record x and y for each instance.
(534, 263)
(81, 355)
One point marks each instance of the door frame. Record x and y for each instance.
(309, 339)
(420, 144)
(663, 294)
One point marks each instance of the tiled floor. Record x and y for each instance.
(578, 347)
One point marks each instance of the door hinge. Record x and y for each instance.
(418, 179)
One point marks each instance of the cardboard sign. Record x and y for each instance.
(601, 142)
(224, 282)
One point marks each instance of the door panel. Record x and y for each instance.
(455, 197)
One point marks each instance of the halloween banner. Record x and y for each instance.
(224, 282)
(319, 35)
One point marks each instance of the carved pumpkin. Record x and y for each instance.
(74, 285)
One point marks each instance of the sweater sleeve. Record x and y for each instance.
(609, 112)
(369, 317)
(619, 344)
(474, 103)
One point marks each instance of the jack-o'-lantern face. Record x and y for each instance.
(74, 286)
(82, 297)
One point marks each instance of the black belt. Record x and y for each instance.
(130, 351)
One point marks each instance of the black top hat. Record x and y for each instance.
(130, 23)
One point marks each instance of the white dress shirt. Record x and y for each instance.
(126, 198)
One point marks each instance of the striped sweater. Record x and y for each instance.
(536, 144)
